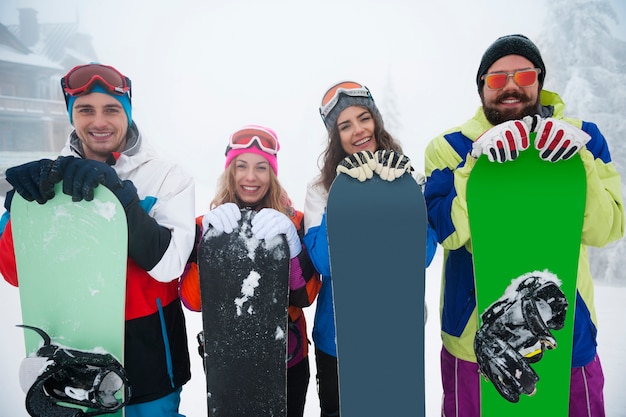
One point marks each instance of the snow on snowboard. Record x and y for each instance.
(525, 219)
(244, 284)
(377, 243)
(71, 265)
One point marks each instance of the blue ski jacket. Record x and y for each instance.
(316, 242)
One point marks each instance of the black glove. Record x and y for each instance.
(504, 366)
(8, 198)
(30, 180)
(516, 332)
(81, 176)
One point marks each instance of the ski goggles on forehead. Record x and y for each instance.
(349, 88)
(523, 78)
(245, 138)
(81, 80)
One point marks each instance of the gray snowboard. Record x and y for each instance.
(377, 239)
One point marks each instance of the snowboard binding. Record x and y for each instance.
(58, 379)
(200, 340)
(516, 331)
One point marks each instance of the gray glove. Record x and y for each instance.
(269, 223)
(223, 218)
(391, 165)
(359, 165)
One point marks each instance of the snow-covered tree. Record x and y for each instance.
(391, 114)
(586, 65)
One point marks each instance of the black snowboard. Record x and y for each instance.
(244, 283)
(377, 240)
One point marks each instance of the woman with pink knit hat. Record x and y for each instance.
(250, 180)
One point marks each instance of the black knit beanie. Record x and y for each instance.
(510, 45)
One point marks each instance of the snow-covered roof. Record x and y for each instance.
(8, 54)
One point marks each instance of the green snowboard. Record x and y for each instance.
(526, 220)
(71, 264)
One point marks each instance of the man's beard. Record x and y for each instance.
(495, 116)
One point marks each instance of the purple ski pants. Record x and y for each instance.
(461, 382)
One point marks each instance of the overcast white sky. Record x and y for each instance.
(202, 69)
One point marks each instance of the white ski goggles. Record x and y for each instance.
(349, 88)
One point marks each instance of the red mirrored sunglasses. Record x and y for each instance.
(523, 78)
(82, 78)
(247, 137)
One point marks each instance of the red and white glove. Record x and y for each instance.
(558, 140)
(503, 142)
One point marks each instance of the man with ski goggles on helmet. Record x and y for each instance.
(107, 148)
(82, 78)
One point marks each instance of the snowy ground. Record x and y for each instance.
(612, 345)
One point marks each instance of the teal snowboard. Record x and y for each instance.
(71, 265)
(526, 220)
(377, 244)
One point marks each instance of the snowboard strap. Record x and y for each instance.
(57, 378)
(166, 342)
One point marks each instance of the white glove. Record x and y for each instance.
(391, 165)
(558, 140)
(269, 223)
(223, 218)
(420, 179)
(505, 141)
(359, 165)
